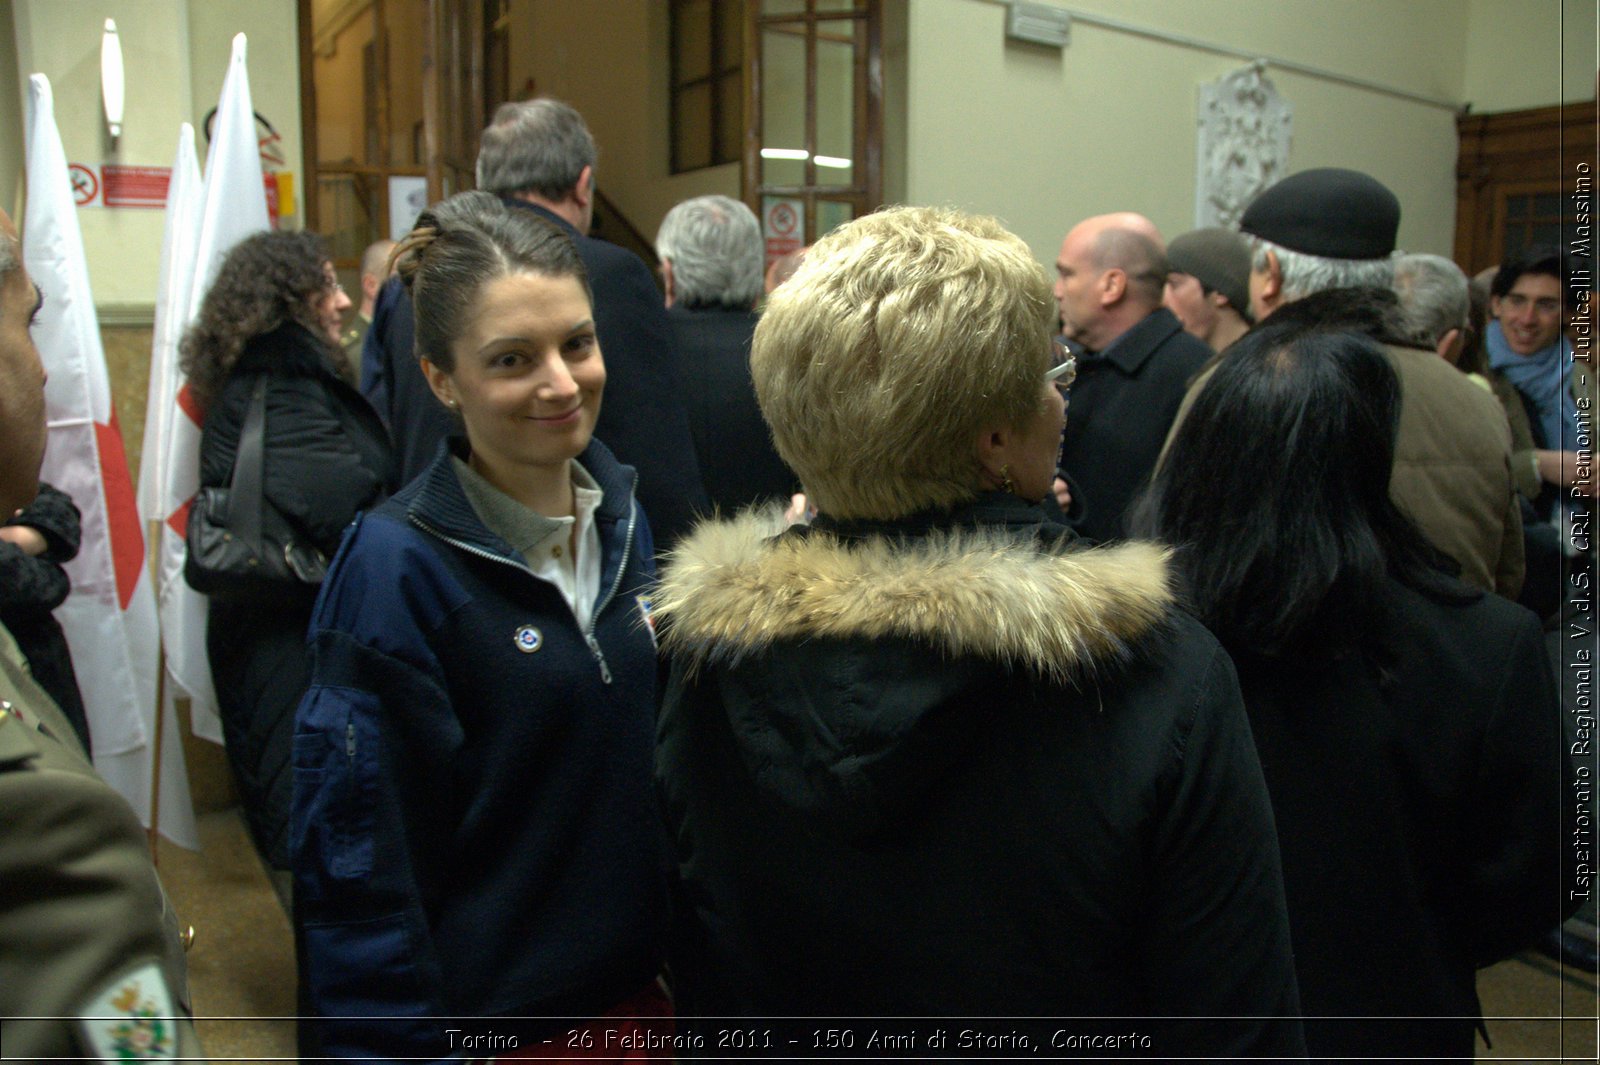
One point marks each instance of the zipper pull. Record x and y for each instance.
(350, 740)
(599, 656)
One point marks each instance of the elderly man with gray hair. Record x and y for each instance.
(1434, 300)
(1321, 233)
(711, 263)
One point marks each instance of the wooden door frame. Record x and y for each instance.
(448, 22)
(1538, 150)
(866, 188)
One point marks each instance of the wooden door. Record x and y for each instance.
(813, 113)
(1523, 179)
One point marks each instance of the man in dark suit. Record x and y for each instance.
(711, 256)
(539, 155)
(1136, 361)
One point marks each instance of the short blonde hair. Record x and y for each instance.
(902, 336)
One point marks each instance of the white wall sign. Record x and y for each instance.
(407, 197)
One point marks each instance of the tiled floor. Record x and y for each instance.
(241, 967)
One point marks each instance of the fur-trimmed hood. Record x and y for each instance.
(856, 667)
(733, 588)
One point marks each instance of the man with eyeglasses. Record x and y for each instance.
(1135, 363)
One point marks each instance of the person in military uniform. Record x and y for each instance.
(91, 960)
(374, 272)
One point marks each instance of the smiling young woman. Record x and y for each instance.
(474, 828)
(527, 379)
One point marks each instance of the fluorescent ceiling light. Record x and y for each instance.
(785, 153)
(834, 161)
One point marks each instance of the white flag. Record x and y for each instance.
(236, 197)
(233, 206)
(110, 617)
(169, 462)
(171, 319)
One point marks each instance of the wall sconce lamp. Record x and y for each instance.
(111, 88)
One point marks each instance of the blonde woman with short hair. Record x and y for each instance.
(929, 756)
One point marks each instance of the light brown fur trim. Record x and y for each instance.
(729, 590)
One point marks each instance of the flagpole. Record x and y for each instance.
(154, 561)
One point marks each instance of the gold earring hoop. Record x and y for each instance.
(1006, 484)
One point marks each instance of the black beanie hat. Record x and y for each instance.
(1328, 212)
(1219, 259)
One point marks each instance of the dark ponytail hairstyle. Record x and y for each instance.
(460, 245)
(1276, 493)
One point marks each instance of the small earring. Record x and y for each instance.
(452, 404)
(1006, 484)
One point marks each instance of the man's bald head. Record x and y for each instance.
(1109, 275)
(1133, 222)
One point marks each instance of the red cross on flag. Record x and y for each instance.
(110, 617)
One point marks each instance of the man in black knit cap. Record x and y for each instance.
(1321, 244)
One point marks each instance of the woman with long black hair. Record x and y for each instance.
(1407, 723)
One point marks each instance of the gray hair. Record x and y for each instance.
(1433, 297)
(1305, 275)
(539, 145)
(714, 245)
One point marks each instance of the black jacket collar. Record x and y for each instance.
(543, 212)
(1130, 350)
(289, 350)
(990, 510)
(436, 501)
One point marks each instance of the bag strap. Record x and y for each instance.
(244, 490)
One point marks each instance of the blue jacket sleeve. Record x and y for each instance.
(374, 359)
(372, 734)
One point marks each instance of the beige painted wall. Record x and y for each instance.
(62, 41)
(1045, 137)
(1529, 53)
(272, 28)
(175, 54)
(1048, 137)
(11, 150)
(609, 60)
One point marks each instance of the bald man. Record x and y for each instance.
(1135, 363)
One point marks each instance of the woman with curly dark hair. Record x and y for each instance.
(273, 315)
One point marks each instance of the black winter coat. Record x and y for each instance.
(957, 767)
(1421, 816)
(738, 464)
(326, 457)
(32, 586)
(1123, 403)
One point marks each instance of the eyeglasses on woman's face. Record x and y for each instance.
(1065, 368)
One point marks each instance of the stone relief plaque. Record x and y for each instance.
(1243, 144)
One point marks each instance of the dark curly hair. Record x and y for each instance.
(266, 280)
